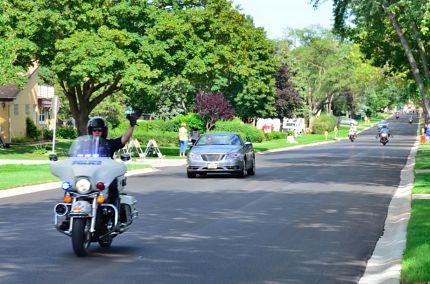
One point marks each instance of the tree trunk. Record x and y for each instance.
(80, 103)
(423, 53)
(281, 120)
(411, 59)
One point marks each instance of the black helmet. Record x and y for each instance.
(97, 122)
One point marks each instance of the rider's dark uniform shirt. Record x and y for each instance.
(114, 145)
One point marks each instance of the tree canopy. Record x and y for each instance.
(158, 54)
(394, 32)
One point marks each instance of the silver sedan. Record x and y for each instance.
(221, 152)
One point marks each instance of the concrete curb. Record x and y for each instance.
(385, 264)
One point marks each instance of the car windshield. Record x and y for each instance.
(89, 146)
(221, 139)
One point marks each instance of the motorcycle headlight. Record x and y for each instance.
(83, 185)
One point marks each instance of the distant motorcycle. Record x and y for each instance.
(410, 120)
(397, 115)
(384, 138)
(91, 210)
(352, 135)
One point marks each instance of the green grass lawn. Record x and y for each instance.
(22, 175)
(19, 175)
(416, 260)
(421, 183)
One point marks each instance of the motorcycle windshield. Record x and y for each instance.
(89, 146)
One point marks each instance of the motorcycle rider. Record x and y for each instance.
(97, 127)
(384, 129)
(352, 129)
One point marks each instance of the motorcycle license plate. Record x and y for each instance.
(81, 207)
(212, 165)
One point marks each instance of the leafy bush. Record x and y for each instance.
(66, 133)
(247, 131)
(192, 120)
(20, 140)
(162, 138)
(322, 123)
(47, 134)
(276, 135)
(42, 149)
(31, 129)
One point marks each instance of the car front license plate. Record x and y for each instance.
(212, 165)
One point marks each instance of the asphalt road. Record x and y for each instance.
(309, 215)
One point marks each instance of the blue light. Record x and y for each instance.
(66, 185)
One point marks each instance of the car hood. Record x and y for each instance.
(215, 149)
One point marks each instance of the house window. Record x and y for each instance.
(42, 116)
(27, 109)
(16, 109)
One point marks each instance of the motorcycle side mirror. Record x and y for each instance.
(53, 157)
(125, 157)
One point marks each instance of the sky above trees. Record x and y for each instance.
(275, 16)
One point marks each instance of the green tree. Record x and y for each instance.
(215, 49)
(377, 22)
(90, 46)
(159, 54)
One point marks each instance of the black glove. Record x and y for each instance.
(132, 118)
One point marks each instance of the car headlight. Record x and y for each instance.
(193, 156)
(233, 155)
(83, 185)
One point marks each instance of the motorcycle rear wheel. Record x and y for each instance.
(81, 238)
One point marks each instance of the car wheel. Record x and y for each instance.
(191, 174)
(251, 171)
(242, 172)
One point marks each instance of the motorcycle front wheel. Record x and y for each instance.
(81, 238)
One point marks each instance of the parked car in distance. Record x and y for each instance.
(221, 152)
(347, 121)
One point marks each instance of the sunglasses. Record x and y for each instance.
(97, 130)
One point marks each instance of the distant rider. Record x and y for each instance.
(352, 129)
(384, 129)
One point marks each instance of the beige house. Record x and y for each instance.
(16, 105)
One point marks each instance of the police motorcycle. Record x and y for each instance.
(94, 207)
(383, 134)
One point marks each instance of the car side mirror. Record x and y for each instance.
(125, 157)
(53, 157)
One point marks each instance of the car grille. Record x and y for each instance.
(212, 157)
